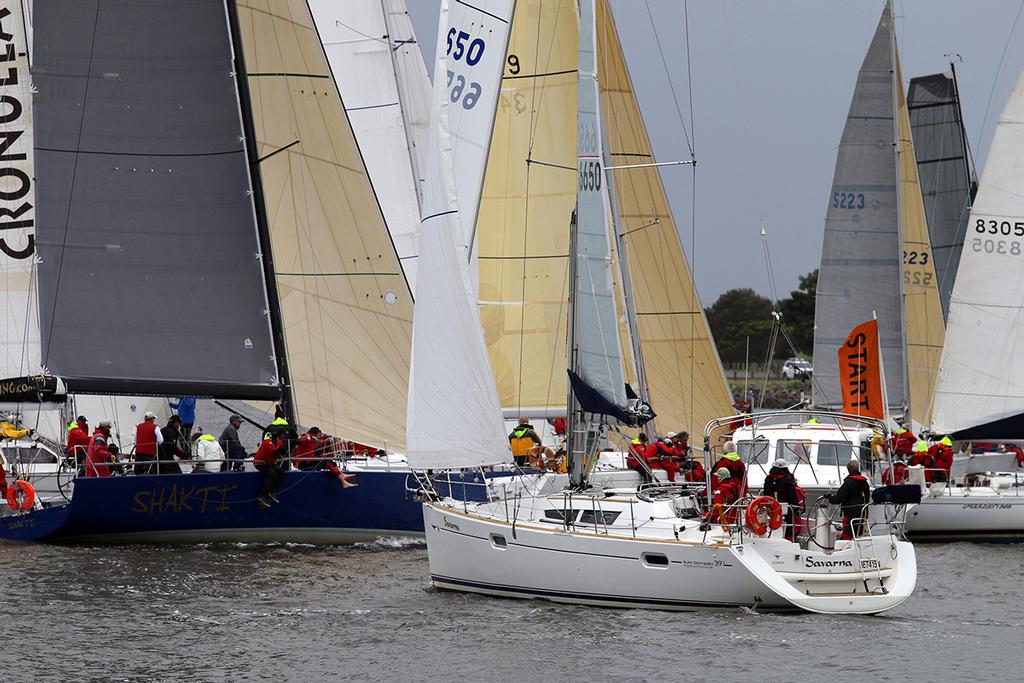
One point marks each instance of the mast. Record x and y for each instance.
(287, 401)
(403, 105)
(899, 201)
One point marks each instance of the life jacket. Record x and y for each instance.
(145, 438)
(635, 453)
(698, 473)
(98, 455)
(78, 440)
(268, 451)
(522, 445)
(942, 456)
(305, 452)
(728, 492)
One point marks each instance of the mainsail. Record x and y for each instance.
(947, 183)
(346, 307)
(20, 351)
(145, 211)
(860, 257)
(451, 388)
(684, 376)
(980, 392)
(378, 66)
(528, 199)
(924, 328)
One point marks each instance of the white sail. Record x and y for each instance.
(383, 81)
(981, 375)
(20, 352)
(472, 78)
(451, 387)
(595, 330)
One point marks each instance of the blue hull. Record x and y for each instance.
(203, 508)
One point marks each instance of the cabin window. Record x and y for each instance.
(753, 451)
(609, 517)
(29, 456)
(794, 452)
(834, 453)
(655, 560)
(498, 541)
(560, 515)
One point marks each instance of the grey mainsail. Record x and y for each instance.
(151, 278)
(947, 183)
(860, 256)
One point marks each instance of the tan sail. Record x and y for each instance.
(346, 306)
(523, 225)
(684, 374)
(924, 332)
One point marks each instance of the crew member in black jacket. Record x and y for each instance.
(780, 484)
(853, 496)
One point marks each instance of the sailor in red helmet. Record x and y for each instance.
(98, 456)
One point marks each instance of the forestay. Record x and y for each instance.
(20, 352)
(523, 225)
(451, 388)
(145, 209)
(685, 380)
(980, 392)
(596, 352)
(378, 66)
(346, 307)
(860, 256)
(946, 179)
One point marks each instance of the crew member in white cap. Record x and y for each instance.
(147, 439)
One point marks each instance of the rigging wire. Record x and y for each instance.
(668, 77)
(999, 69)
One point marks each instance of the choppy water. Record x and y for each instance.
(289, 612)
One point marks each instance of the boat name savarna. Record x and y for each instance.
(811, 562)
(16, 212)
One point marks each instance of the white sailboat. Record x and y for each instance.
(980, 390)
(594, 546)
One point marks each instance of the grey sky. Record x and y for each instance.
(772, 83)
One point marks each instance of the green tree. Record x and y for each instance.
(737, 314)
(798, 314)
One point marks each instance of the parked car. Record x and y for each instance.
(797, 368)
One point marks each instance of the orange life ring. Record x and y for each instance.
(753, 519)
(27, 491)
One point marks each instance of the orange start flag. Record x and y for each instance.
(860, 372)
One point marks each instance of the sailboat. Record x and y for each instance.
(234, 217)
(590, 545)
(876, 213)
(980, 390)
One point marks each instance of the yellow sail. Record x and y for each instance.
(523, 225)
(924, 332)
(685, 380)
(346, 306)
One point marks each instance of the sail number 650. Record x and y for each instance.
(457, 41)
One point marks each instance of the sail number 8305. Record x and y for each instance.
(984, 226)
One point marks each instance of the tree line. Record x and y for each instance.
(742, 313)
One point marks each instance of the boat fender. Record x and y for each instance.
(27, 493)
(754, 522)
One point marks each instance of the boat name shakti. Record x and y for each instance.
(161, 500)
(986, 506)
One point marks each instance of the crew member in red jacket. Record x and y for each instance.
(98, 456)
(78, 441)
(668, 457)
(1016, 450)
(899, 469)
(642, 453)
(727, 492)
(732, 461)
(266, 464)
(148, 438)
(942, 457)
(310, 454)
(903, 441)
(922, 457)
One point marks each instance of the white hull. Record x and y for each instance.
(479, 554)
(980, 514)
